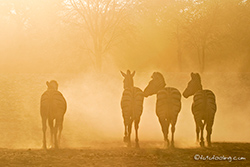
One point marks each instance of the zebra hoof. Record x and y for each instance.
(202, 144)
(129, 145)
(172, 144)
(166, 145)
(137, 145)
(44, 147)
(125, 139)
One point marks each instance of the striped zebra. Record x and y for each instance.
(203, 107)
(52, 108)
(132, 107)
(168, 104)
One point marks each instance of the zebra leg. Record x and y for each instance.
(198, 124)
(209, 126)
(209, 132)
(60, 127)
(164, 128)
(167, 130)
(126, 122)
(44, 132)
(202, 138)
(125, 138)
(129, 133)
(55, 138)
(51, 132)
(197, 132)
(136, 133)
(172, 130)
(59, 136)
(57, 124)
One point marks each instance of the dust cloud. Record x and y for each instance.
(94, 113)
(48, 40)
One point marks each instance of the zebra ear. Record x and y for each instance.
(192, 75)
(47, 83)
(133, 74)
(153, 75)
(198, 76)
(123, 74)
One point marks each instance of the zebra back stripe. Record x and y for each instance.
(53, 101)
(168, 103)
(132, 104)
(204, 106)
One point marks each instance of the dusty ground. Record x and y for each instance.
(147, 155)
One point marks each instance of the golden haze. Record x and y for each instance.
(45, 40)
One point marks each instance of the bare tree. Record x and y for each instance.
(173, 16)
(103, 21)
(202, 27)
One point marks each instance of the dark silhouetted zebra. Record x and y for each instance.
(168, 103)
(52, 108)
(203, 107)
(132, 106)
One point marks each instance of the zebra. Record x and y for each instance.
(203, 107)
(168, 104)
(132, 107)
(52, 108)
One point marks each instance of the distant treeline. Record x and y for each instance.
(174, 35)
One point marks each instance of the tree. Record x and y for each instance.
(30, 30)
(173, 17)
(103, 22)
(202, 27)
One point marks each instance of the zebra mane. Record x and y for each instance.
(159, 79)
(52, 85)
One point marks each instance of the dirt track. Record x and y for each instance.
(147, 155)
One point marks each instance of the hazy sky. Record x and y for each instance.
(45, 40)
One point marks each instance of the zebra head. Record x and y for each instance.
(52, 85)
(128, 79)
(157, 83)
(193, 86)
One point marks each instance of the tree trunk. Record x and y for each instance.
(98, 61)
(202, 59)
(179, 52)
(179, 49)
(98, 55)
